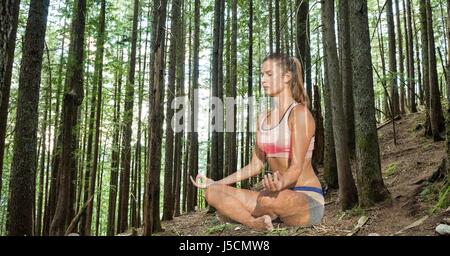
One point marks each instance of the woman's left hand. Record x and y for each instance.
(273, 182)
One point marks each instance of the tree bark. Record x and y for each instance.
(127, 131)
(401, 58)
(346, 75)
(410, 51)
(371, 187)
(72, 101)
(395, 107)
(436, 115)
(9, 21)
(347, 188)
(23, 167)
(152, 184)
(168, 207)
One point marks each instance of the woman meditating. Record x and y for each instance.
(285, 139)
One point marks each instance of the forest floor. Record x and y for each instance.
(406, 169)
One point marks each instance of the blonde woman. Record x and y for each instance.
(285, 139)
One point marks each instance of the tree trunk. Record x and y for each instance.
(425, 65)
(394, 107)
(127, 131)
(277, 27)
(302, 43)
(371, 187)
(347, 188)
(152, 184)
(270, 26)
(436, 115)
(168, 207)
(317, 158)
(193, 141)
(179, 135)
(72, 100)
(113, 183)
(346, 75)
(44, 151)
(230, 146)
(250, 118)
(23, 167)
(330, 166)
(9, 25)
(383, 65)
(216, 119)
(54, 183)
(410, 51)
(401, 58)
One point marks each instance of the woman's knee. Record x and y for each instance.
(266, 201)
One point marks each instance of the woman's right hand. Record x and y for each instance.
(201, 181)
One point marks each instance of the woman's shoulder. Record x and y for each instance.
(300, 114)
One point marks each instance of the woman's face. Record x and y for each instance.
(273, 79)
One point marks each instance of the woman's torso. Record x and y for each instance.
(281, 164)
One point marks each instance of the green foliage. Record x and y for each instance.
(218, 228)
(444, 197)
(390, 169)
(278, 232)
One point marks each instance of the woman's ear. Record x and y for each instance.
(287, 77)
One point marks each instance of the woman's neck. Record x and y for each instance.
(283, 100)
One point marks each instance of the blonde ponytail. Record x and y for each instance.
(297, 85)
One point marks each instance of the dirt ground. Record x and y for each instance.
(406, 167)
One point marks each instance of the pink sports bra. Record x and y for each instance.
(276, 142)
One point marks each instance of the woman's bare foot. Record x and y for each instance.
(262, 223)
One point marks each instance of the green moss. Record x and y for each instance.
(278, 232)
(391, 169)
(218, 228)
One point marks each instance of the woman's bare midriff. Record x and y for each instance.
(307, 176)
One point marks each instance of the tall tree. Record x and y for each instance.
(152, 184)
(329, 166)
(23, 167)
(178, 154)
(230, 146)
(347, 189)
(371, 187)
(98, 82)
(410, 52)
(401, 58)
(168, 208)
(425, 64)
(346, 74)
(9, 20)
(113, 184)
(436, 115)
(73, 98)
(302, 42)
(216, 111)
(394, 106)
(127, 131)
(277, 27)
(248, 141)
(270, 26)
(193, 138)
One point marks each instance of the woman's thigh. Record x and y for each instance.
(246, 197)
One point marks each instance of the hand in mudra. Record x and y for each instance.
(201, 181)
(273, 182)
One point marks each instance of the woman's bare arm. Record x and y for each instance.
(250, 170)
